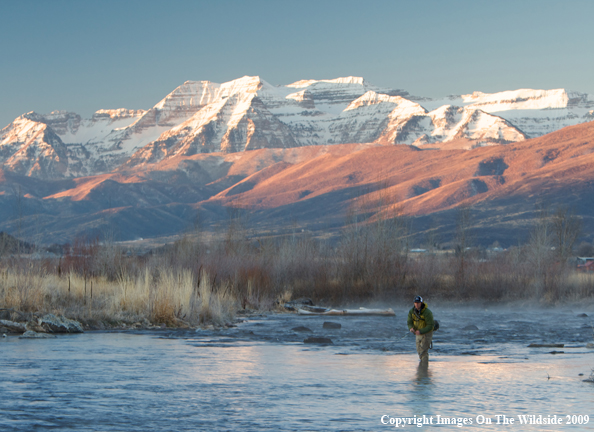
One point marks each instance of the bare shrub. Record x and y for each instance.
(566, 229)
(585, 249)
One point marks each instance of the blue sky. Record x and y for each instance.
(86, 55)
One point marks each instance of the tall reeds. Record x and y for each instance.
(167, 297)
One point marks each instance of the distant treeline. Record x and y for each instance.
(10, 245)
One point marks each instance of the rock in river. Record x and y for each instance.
(302, 329)
(60, 324)
(331, 325)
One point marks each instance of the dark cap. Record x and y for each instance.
(418, 299)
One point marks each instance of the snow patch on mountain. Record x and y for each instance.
(116, 114)
(517, 99)
(486, 128)
(304, 98)
(344, 80)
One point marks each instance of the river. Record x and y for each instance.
(260, 376)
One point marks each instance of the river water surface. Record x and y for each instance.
(261, 376)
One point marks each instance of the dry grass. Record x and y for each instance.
(581, 285)
(171, 297)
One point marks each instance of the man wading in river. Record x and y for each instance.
(420, 322)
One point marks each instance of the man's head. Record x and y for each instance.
(418, 302)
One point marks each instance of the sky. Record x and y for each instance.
(82, 56)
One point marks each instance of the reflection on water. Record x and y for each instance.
(420, 394)
(131, 382)
(423, 376)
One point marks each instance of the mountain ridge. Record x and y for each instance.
(249, 113)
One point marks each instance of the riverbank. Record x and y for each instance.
(184, 304)
(17, 323)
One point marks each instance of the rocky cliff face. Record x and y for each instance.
(237, 120)
(249, 113)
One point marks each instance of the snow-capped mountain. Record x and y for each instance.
(33, 149)
(61, 144)
(249, 113)
(534, 112)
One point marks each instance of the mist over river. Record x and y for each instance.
(260, 375)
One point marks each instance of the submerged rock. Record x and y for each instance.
(332, 325)
(317, 340)
(29, 334)
(60, 324)
(535, 345)
(583, 315)
(302, 329)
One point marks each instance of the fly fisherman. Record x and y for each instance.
(420, 322)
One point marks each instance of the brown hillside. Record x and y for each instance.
(419, 180)
(424, 181)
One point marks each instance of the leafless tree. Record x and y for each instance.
(18, 197)
(540, 247)
(566, 227)
(464, 240)
(4, 244)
